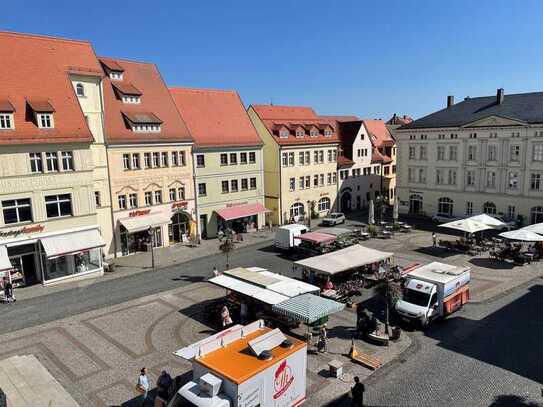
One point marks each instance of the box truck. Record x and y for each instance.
(433, 291)
(284, 237)
(245, 366)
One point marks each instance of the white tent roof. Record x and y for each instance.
(522, 235)
(536, 228)
(248, 289)
(75, 242)
(344, 259)
(466, 225)
(289, 286)
(5, 264)
(487, 220)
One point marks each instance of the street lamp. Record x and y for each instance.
(308, 213)
(152, 239)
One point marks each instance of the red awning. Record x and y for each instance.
(316, 237)
(242, 211)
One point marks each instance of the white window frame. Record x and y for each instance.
(132, 201)
(45, 120)
(51, 157)
(17, 206)
(67, 159)
(323, 204)
(157, 196)
(36, 162)
(6, 121)
(58, 202)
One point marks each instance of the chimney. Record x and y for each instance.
(499, 96)
(450, 100)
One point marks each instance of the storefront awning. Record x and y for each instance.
(5, 264)
(71, 243)
(139, 223)
(242, 211)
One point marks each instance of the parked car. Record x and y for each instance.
(334, 218)
(444, 218)
(509, 224)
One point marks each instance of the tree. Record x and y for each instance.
(227, 245)
(390, 290)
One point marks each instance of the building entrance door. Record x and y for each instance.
(203, 226)
(179, 227)
(346, 202)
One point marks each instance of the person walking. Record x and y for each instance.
(215, 272)
(225, 317)
(434, 239)
(323, 340)
(143, 386)
(358, 392)
(8, 291)
(164, 384)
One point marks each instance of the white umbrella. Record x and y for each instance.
(536, 228)
(522, 235)
(395, 210)
(371, 214)
(466, 225)
(487, 220)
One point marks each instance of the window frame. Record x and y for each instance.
(18, 206)
(60, 199)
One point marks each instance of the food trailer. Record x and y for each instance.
(245, 366)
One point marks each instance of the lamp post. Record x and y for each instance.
(152, 239)
(308, 213)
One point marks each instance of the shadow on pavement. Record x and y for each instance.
(435, 252)
(492, 264)
(509, 338)
(190, 279)
(509, 400)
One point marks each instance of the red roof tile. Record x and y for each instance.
(342, 118)
(40, 106)
(344, 162)
(274, 117)
(399, 120)
(215, 117)
(378, 131)
(126, 88)
(6, 106)
(142, 117)
(35, 68)
(111, 64)
(156, 102)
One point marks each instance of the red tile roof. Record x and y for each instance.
(274, 117)
(378, 132)
(399, 120)
(40, 106)
(156, 103)
(126, 88)
(6, 106)
(216, 118)
(342, 118)
(35, 68)
(111, 64)
(343, 162)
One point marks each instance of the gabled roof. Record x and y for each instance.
(378, 132)
(348, 131)
(36, 69)
(156, 106)
(215, 117)
(342, 118)
(111, 64)
(526, 107)
(274, 117)
(344, 162)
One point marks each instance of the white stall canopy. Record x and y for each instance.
(139, 223)
(249, 289)
(71, 243)
(345, 259)
(5, 264)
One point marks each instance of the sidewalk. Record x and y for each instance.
(141, 262)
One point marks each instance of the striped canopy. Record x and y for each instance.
(307, 308)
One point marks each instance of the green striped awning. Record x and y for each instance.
(307, 308)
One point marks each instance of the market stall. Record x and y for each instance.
(308, 308)
(343, 272)
(314, 243)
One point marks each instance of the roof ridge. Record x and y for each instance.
(191, 89)
(133, 61)
(44, 37)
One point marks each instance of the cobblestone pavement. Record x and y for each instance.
(97, 355)
(486, 355)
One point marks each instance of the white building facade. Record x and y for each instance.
(482, 155)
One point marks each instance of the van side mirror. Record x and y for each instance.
(435, 306)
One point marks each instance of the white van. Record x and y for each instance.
(284, 237)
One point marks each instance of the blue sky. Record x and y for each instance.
(347, 57)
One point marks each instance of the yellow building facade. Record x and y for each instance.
(300, 162)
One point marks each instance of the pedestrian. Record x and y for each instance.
(215, 272)
(243, 312)
(164, 384)
(358, 392)
(434, 239)
(143, 386)
(225, 317)
(323, 339)
(8, 291)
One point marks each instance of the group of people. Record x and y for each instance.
(165, 388)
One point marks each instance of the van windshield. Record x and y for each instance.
(416, 297)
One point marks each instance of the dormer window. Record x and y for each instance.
(115, 75)
(127, 92)
(131, 99)
(283, 133)
(314, 133)
(327, 133)
(300, 133)
(80, 90)
(6, 115)
(45, 120)
(143, 122)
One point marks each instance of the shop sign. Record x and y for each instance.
(23, 231)
(180, 205)
(139, 212)
(229, 205)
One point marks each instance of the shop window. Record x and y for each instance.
(72, 264)
(17, 211)
(58, 205)
(489, 208)
(297, 209)
(445, 206)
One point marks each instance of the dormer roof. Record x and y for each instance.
(6, 106)
(126, 88)
(111, 64)
(41, 106)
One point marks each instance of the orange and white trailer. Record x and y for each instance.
(433, 291)
(245, 366)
